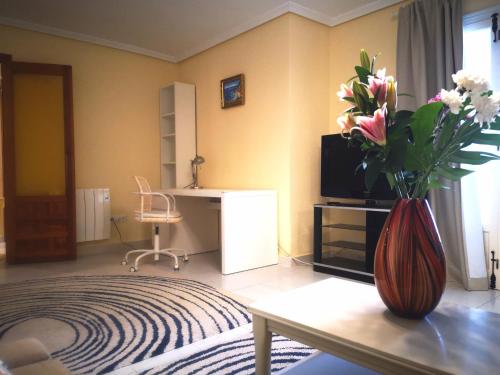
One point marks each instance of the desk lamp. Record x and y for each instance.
(198, 160)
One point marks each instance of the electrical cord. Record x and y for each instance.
(120, 235)
(296, 260)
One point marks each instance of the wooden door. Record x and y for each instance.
(38, 159)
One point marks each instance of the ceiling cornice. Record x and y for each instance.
(362, 11)
(309, 13)
(288, 7)
(84, 38)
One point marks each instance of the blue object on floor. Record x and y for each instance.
(326, 364)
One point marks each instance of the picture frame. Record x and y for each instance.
(232, 91)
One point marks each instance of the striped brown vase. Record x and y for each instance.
(410, 269)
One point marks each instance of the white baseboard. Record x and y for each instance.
(285, 261)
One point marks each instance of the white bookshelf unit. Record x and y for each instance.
(177, 134)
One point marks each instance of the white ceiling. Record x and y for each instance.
(169, 29)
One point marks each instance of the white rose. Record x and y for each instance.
(496, 97)
(471, 82)
(452, 99)
(487, 107)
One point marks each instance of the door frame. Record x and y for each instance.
(8, 153)
(9, 68)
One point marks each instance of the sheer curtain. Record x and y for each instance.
(480, 56)
(429, 51)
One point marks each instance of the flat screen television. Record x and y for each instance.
(340, 177)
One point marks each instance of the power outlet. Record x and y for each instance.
(119, 218)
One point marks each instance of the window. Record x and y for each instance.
(481, 56)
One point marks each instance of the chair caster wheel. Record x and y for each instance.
(133, 269)
(186, 259)
(176, 268)
(124, 262)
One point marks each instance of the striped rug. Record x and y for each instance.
(96, 324)
(231, 355)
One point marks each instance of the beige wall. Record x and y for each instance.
(273, 140)
(309, 119)
(246, 146)
(293, 67)
(115, 112)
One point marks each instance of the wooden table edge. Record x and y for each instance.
(348, 350)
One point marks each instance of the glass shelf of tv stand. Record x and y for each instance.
(338, 250)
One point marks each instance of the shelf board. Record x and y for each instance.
(168, 135)
(169, 163)
(346, 245)
(168, 114)
(346, 226)
(344, 263)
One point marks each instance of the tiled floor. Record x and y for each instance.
(249, 285)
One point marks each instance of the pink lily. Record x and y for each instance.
(346, 122)
(378, 85)
(373, 128)
(435, 99)
(345, 91)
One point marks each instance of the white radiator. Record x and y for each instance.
(92, 214)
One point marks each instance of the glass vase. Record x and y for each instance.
(410, 267)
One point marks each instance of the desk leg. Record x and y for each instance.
(263, 340)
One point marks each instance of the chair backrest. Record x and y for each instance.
(146, 200)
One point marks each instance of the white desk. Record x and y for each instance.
(246, 233)
(349, 320)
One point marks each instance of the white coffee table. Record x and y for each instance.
(349, 320)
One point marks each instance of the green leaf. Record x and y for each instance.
(365, 146)
(363, 73)
(403, 117)
(373, 169)
(372, 66)
(390, 180)
(413, 161)
(397, 140)
(451, 173)
(361, 97)
(349, 99)
(447, 130)
(424, 122)
(487, 139)
(496, 124)
(472, 157)
(436, 183)
(353, 77)
(364, 59)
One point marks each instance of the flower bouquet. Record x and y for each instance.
(414, 149)
(417, 151)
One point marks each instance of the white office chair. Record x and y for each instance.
(147, 214)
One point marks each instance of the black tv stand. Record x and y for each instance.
(349, 259)
(368, 204)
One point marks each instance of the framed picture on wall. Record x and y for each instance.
(232, 91)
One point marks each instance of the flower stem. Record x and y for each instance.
(401, 185)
